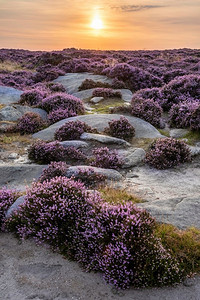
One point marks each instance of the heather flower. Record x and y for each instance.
(30, 123)
(105, 158)
(60, 114)
(32, 97)
(72, 130)
(7, 198)
(64, 101)
(106, 93)
(121, 128)
(167, 152)
(54, 169)
(147, 110)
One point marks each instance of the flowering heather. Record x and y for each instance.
(147, 110)
(32, 97)
(42, 152)
(116, 240)
(135, 78)
(72, 130)
(30, 123)
(118, 84)
(54, 169)
(106, 93)
(91, 84)
(89, 176)
(180, 89)
(7, 198)
(121, 128)
(60, 114)
(56, 87)
(64, 101)
(105, 158)
(185, 115)
(165, 153)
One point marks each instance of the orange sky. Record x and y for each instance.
(127, 24)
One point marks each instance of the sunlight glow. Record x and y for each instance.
(97, 23)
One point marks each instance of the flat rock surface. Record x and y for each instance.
(108, 173)
(143, 129)
(104, 139)
(173, 195)
(9, 95)
(28, 271)
(72, 81)
(14, 112)
(18, 176)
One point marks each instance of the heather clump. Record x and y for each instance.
(185, 115)
(44, 153)
(147, 110)
(89, 176)
(117, 240)
(30, 123)
(106, 93)
(32, 97)
(183, 88)
(60, 114)
(105, 158)
(165, 153)
(121, 128)
(64, 101)
(54, 169)
(56, 87)
(91, 84)
(72, 130)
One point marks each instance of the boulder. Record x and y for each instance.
(72, 81)
(15, 206)
(85, 94)
(178, 133)
(9, 95)
(96, 100)
(104, 139)
(143, 129)
(14, 112)
(19, 175)
(132, 157)
(108, 173)
(74, 143)
(195, 150)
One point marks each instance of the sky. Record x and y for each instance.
(126, 24)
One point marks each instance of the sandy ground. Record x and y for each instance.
(34, 272)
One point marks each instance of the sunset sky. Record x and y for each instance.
(95, 24)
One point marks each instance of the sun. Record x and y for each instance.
(97, 23)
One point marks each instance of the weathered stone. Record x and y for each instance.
(132, 157)
(74, 143)
(9, 95)
(194, 150)
(15, 206)
(19, 175)
(108, 173)
(143, 129)
(14, 112)
(127, 95)
(178, 133)
(72, 81)
(96, 100)
(85, 94)
(105, 139)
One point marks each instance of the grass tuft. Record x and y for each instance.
(184, 245)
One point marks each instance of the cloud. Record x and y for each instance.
(134, 8)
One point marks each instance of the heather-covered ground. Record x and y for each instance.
(123, 119)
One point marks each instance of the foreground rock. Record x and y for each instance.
(35, 272)
(14, 112)
(15, 206)
(72, 81)
(104, 139)
(9, 95)
(131, 158)
(172, 196)
(74, 143)
(108, 173)
(143, 129)
(18, 176)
